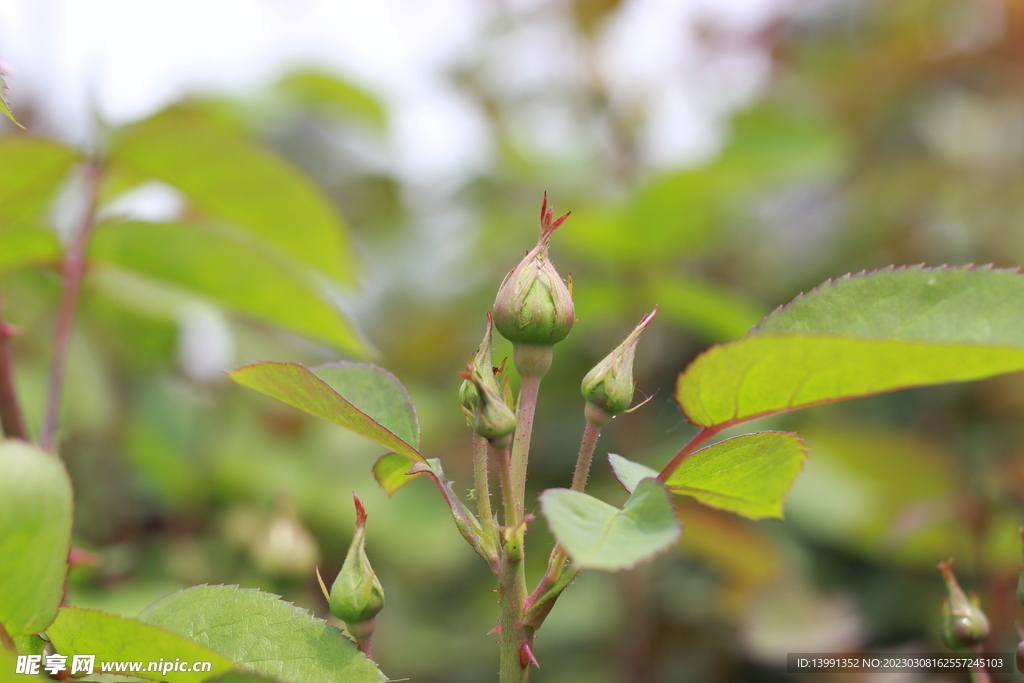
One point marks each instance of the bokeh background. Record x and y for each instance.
(719, 157)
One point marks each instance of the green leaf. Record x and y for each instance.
(300, 387)
(30, 172)
(324, 90)
(35, 536)
(264, 634)
(629, 473)
(862, 335)
(377, 393)
(242, 677)
(227, 270)
(748, 474)
(234, 179)
(597, 535)
(26, 245)
(114, 638)
(390, 471)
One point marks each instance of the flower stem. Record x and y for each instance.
(532, 362)
(481, 479)
(591, 433)
(74, 269)
(691, 446)
(513, 632)
(11, 418)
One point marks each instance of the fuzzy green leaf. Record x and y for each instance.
(260, 632)
(390, 471)
(114, 638)
(863, 335)
(301, 388)
(231, 178)
(748, 474)
(35, 536)
(228, 270)
(599, 536)
(30, 171)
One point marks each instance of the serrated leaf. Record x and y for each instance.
(748, 474)
(26, 245)
(862, 335)
(391, 472)
(233, 179)
(301, 388)
(228, 270)
(30, 172)
(597, 535)
(114, 638)
(35, 536)
(3, 104)
(260, 632)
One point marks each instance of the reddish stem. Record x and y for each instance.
(74, 270)
(688, 450)
(11, 418)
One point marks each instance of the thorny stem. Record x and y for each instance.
(11, 418)
(501, 454)
(532, 362)
(483, 485)
(591, 433)
(74, 269)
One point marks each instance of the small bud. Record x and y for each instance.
(469, 396)
(357, 596)
(489, 415)
(534, 306)
(964, 625)
(609, 385)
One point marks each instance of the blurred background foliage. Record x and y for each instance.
(886, 133)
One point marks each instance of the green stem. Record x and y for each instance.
(514, 634)
(532, 362)
(977, 675)
(481, 479)
(591, 433)
(505, 480)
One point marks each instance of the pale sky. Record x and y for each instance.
(129, 58)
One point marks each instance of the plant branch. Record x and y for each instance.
(481, 480)
(74, 270)
(505, 481)
(591, 433)
(521, 445)
(11, 418)
(515, 635)
(687, 450)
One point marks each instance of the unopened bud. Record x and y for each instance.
(488, 414)
(609, 385)
(534, 306)
(357, 596)
(964, 625)
(469, 396)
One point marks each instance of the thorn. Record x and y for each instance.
(360, 510)
(77, 556)
(496, 629)
(526, 657)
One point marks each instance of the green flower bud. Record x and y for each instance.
(357, 596)
(964, 625)
(534, 305)
(489, 416)
(469, 397)
(609, 385)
